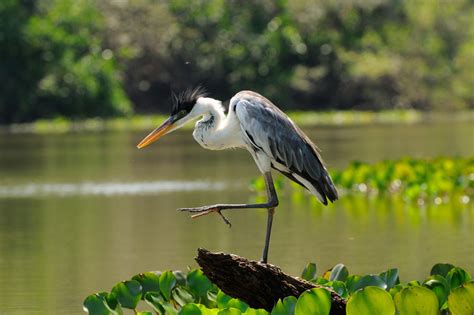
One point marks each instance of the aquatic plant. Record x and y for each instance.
(446, 289)
(436, 181)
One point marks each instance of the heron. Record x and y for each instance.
(253, 123)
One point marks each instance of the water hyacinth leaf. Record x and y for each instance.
(198, 282)
(395, 289)
(315, 301)
(340, 288)
(155, 300)
(390, 277)
(128, 293)
(369, 280)
(285, 306)
(339, 272)
(370, 301)
(167, 282)
(351, 283)
(149, 281)
(414, 283)
(182, 295)
(238, 304)
(229, 311)
(457, 276)
(96, 304)
(439, 286)
(461, 299)
(180, 277)
(144, 313)
(441, 269)
(190, 309)
(309, 272)
(416, 301)
(252, 311)
(222, 299)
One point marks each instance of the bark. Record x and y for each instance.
(257, 284)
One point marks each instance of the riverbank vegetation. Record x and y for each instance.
(446, 289)
(81, 59)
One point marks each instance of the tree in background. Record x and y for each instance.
(54, 64)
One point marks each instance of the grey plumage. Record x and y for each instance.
(291, 152)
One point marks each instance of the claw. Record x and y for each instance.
(199, 212)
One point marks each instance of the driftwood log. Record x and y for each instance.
(259, 285)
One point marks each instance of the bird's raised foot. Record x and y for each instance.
(200, 211)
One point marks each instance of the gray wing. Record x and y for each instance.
(292, 153)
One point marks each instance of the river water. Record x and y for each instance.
(81, 211)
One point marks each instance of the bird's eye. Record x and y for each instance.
(182, 113)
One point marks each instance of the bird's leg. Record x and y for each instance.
(271, 204)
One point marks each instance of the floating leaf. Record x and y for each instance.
(155, 300)
(285, 306)
(96, 304)
(369, 280)
(167, 282)
(340, 288)
(230, 311)
(416, 301)
(315, 301)
(370, 301)
(222, 299)
(441, 269)
(238, 304)
(190, 309)
(439, 286)
(339, 272)
(182, 295)
(457, 276)
(252, 311)
(461, 299)
(149, 281)
(128, 293)
(309, 272)
(390, 277)
(198, 282)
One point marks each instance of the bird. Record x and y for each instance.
(253, 123)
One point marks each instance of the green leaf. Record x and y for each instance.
(149, 281)
(339, 272)
(370, 301)
(222, 299)
(180, 277)
(340, 288)
(155, 300)
(461, 299)
(182, 295)
(238, 304)
(229, 311)
(285, 306)
(144, 313)
(369, 280)
(309, 272)
(351, 283)
(439, 286)
(167, 282)
(441, 269)
(128, 293)
(416, 301)
(390, 277)
(96, 304)
(198, 282)
(252, 311)
(315, 301)
(190, 309)
(457, 276)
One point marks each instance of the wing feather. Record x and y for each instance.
(273, 132)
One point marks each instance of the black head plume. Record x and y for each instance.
(186, 100)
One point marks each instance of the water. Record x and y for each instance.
(80, 212)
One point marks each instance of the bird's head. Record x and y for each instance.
(183, 110)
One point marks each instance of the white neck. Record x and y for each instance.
(215, 130)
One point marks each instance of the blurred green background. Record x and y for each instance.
(81, 58)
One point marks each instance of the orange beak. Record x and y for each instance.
(157, 133)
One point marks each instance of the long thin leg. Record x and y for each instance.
(271, 203)
(271, 211)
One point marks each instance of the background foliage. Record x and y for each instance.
(63, 57)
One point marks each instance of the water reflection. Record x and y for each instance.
(101, 211)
